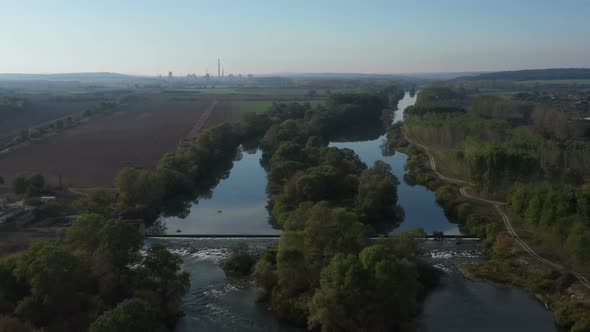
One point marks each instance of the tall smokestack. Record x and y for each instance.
(218, 68)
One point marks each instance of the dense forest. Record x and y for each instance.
(500, 139)
(518, 150)
(563, 210)
(94, 278)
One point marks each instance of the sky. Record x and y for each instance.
(151, 37)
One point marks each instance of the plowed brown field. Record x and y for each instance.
(136, 135)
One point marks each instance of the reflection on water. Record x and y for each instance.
(237, 205)
(419, 203)
(464, 305)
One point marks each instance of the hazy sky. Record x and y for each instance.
(250, 36)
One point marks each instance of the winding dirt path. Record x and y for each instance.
(497, 206)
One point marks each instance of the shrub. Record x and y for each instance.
(49, 209)
(130, 316)
(444, 196)
(583, 325)
(239, 262)
(12, 324)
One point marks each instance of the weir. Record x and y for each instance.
(277, 236)
(429, 246)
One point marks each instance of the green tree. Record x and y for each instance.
(118, 250)
(99, 201)
(330, 231)
(58, 283)
(163, 284)
(82, 235)
(64, 285)
(131, 315)
(265, 273)
(49, 209)
(357, 293)
(377, 194)
(288, 151)
(578, 243)
(11, 289)
(582, 325)
(29, 184)
(239, 262)
(20, 185)
(140, 193)
(336, 306)
(533, 211)
(374, 291)
(292, 292)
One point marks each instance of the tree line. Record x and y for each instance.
(515, 150)
(326, 200)
(498, 136)
(563, 210)
(93, 278)
(324, 272)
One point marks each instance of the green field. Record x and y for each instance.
(219, 91)
(554, 82)
(261, 106)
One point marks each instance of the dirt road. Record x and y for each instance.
(497, 206)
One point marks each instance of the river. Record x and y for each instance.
(237, 206)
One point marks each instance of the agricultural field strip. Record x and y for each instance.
(584, 281)
(201, 122)
(133, 136)
(78, 115)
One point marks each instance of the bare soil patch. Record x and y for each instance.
(135, 135)
(40, 109)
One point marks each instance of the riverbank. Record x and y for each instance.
(510, 263)
(214, 305)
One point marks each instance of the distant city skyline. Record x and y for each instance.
(265, 37)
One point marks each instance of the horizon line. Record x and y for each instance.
(292, 73)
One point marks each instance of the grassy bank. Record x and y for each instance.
(508, 263)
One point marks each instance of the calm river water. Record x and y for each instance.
(237, 206)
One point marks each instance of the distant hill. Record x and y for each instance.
(535, 74)
(427, 76)
(444, 75)
(65, 76)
